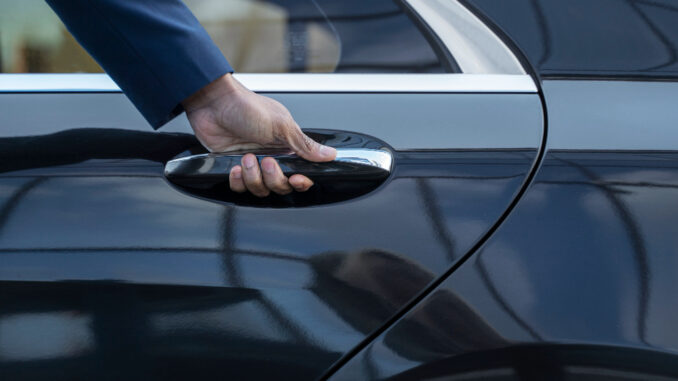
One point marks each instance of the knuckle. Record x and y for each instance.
(284, 190)
(255, 185)
(279, 187)
(258, 189)
(258, 186)
(308, 143)
(280, 182)
(277, 184)
(236, 185)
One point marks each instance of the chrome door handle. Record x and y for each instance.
(351, 164)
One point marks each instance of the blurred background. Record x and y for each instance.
(273, 36)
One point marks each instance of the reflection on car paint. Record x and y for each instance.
(587, 257)
(581, 38)
(178, 286)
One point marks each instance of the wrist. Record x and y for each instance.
(220, 89)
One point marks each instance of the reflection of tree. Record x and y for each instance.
(634, 235)
(640, 7)
(501, 301)
(13, 201)
(368, 288)
(232, 275)
(436, 217)
(550, 362)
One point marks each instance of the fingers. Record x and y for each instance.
(273, 176)
(252, 176)
(260, 182)
(300, 183)
(308, 148)
(235, 180)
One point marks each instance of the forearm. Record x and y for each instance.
(155, 50)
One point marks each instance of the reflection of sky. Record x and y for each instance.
(245, 319)
(278, 315)
(313, 316)
(42, 336)
(279, 273)
(107, 212)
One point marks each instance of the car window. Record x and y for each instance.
(272, 36)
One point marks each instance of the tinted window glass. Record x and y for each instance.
(256, 36)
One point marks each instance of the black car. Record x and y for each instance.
(505, 205)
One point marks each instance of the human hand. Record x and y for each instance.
(226, 116)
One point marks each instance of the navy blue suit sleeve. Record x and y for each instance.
(155, 50)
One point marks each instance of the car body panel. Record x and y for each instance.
(585, 261)
(405, 121)
(592, 39)
(97, 245)
(612, 115)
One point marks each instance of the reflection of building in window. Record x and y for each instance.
(257, 37)
(32, 39)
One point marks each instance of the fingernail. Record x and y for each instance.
(295, 182)
(328, 151)
(268, 166)
(237, 174)
(248, 161)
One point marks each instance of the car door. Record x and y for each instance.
(578, 283)
(110, 269)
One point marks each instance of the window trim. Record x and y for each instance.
(475, 48)
(294, 82)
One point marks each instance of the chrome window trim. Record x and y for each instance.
(475, 48)
(294, 83)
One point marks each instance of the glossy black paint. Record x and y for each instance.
(612, 115)
(591, 38)
(441, 120)
(579, 280)
(106, 270)
(588, 257)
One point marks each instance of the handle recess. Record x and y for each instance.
(351, 164)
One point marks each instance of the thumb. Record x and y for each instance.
(308, 148)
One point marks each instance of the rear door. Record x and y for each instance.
(108, 269)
